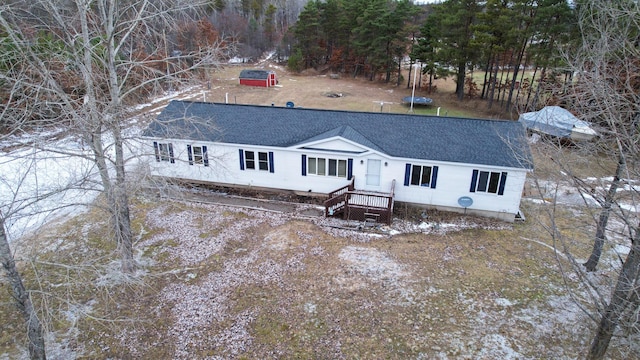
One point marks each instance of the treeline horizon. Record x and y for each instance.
(501, 38)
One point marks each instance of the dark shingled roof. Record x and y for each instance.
(460, 140)
(255, 74)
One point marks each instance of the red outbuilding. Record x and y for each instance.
(264, 78)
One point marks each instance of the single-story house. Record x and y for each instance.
(264, 78)
(474, 166)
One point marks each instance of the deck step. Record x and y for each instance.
(370, 219)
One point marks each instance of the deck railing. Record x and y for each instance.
(368, 200)
(361, 205)
(344, 189)
(336, 201)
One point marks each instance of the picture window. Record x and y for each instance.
(327, 167)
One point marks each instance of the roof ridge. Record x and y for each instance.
(373, 113)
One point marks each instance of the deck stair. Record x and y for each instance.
(366, 206)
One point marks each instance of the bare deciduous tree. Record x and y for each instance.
(21, 297)
(606, 91)
(94, 60)
(78, 66)
(12, 122)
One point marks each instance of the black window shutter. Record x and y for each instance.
(241, 159)
(407, 174)
(503, 180)
(474, 181)
(205, 156)
(434, 177)
(155, 148)
(173, 160)
(190, 155)
(349, 169)
(304, 165)
(271, 161)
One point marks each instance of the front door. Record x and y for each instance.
(373, 173)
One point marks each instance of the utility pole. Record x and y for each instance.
(413, 91)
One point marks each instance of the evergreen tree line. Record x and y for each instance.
(500, 38)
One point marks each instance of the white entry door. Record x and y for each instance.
(373, 172)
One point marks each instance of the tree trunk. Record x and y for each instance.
(493, 80)
(21, 296)
(121, 223)
(487, 72)
(514, 79)
(601, 228)
(460, 80)
(399, 72)
(524, 71)
(503, 88)
(117, 199)
(536, 96)
(115, 192)
(624, 296)
(120, 213)
(527, 105)
(121, 216)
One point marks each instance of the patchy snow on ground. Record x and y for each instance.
(199, 302)
(567, 193)
(39, 186)
(376, 266)
(47, 175)
(195, 306)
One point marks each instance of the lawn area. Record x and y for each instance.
(224, 282)
(314, 90)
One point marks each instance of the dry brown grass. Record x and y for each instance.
(311, 90)
(281, 287)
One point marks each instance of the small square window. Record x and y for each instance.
(263, 161)
(164, 152)
(198, 155)
(250, 160)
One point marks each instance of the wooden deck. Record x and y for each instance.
(364, 206)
